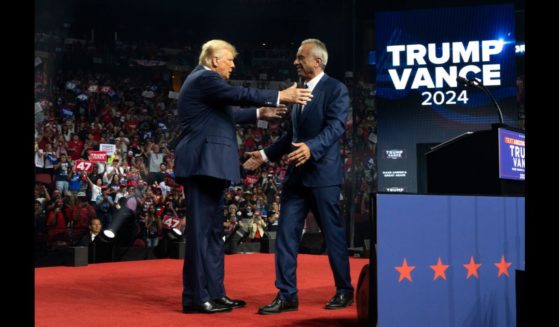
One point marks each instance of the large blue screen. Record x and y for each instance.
(419, 55)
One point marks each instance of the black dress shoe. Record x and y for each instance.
(227, 302)
(279, 305)
(339, 301)
(206, 307)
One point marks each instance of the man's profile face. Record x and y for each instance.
(305, 62)
(223, 63)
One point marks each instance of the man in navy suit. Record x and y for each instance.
(313, 180)
(207, 161)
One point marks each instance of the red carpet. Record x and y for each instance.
(148, 293)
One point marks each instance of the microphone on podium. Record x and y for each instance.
(466, 82)
(474, 82)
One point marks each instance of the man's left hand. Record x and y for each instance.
(254, 161)
(299, 156)
(268, 113)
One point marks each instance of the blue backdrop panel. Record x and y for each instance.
(422, 114)
(423, 228)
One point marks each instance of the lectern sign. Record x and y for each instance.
(512, 153)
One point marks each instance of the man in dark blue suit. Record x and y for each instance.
(313, 180)
(207, 161)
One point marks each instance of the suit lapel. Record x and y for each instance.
(295, 118)
(296, 114)
(317, 93)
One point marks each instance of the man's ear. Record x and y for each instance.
(318, 61)
(214, 62)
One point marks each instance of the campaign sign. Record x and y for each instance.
(110, 149)
(420, 55)
(83, 165)
(170, 222)
(97, 156)
(512, 153)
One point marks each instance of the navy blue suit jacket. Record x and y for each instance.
(208, 146)
(320, 126)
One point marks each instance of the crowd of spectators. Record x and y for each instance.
(82, 109)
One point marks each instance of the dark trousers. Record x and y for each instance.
(324, 202)
(203, 267)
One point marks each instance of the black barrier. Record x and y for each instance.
(76, 256)
(268, 242)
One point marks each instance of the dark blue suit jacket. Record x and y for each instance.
(208, 146)
(320, 126)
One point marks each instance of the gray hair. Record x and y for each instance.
(214, 48)
(318, 51)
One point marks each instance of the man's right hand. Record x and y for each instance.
(294, 95)
(254, 161)
(269, 113)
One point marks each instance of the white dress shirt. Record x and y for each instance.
(310, 85)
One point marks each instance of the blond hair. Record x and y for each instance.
(214, 48)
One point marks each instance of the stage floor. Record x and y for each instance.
(148, 293)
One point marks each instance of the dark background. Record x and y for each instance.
(346, 26)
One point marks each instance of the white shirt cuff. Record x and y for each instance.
(264, 157)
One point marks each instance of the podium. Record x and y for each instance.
(417, 232)
(469, 164)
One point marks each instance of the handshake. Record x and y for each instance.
(299, 156)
